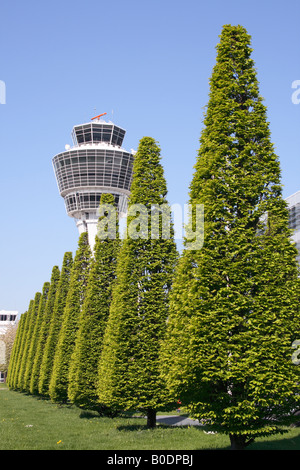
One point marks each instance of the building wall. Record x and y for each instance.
(7, 318)
(293, 202)
(2, 360)
(2, 351)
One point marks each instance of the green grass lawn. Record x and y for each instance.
(29, 423)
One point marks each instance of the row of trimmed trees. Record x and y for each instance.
(133, 327)
(93, 336)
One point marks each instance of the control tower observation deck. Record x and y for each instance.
(96, 164)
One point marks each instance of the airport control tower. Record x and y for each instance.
(96, 164)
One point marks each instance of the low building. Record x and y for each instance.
(293, 202)
(7, 318)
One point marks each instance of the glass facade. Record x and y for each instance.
(294, 219)
(93, 167)
(89, 201)
(98, 132)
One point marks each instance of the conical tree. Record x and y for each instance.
(234, 309)
(23, 343)
(55, 324)
(35, 336)
(58, 387)
(83, 374)
(44, 329)
(30, 329)
(12, 368)
(129, 368)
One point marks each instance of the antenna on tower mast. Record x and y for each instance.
(99, 115)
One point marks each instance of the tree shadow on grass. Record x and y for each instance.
(159, 425)
(85, 414)
(90, 414)
(288, 443)
(133, 427)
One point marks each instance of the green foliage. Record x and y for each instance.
(28, 376)
(23, 343)
(58, 387)
(32, 314)
(55, 324)
(12, 368)
(234, 308)
(82, 389)
(128, 372)
(43, 331)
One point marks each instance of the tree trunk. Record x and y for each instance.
(151, 418)
(237, 442)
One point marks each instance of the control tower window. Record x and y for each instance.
(79, 138)
(106, 137)
(97, 136)
(87, 137)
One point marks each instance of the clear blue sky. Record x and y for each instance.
(145, 63)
